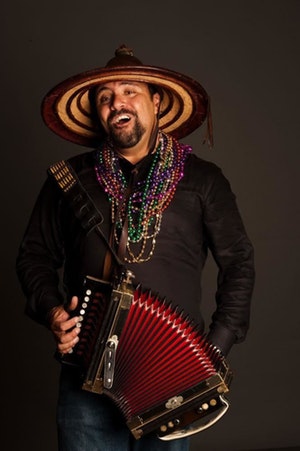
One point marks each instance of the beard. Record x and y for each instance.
(125, 139)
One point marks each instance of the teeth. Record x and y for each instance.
(122, 118)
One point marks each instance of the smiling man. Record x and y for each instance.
(128, 113)
(159, 208)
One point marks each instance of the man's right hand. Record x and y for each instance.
(63, 327)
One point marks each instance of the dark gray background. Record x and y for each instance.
(246, 54)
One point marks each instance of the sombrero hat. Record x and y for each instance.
(68, 110)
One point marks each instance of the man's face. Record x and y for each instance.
(127, 112)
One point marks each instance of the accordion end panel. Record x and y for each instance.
(185, 414)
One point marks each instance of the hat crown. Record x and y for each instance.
(123, 57)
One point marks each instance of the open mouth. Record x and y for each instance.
(122, 119)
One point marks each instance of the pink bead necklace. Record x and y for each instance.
(148, 198)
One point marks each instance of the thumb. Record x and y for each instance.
(73, 304)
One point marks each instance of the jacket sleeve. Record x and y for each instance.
(233, 254)
(41, 255)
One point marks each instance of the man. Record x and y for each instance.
(161, 209)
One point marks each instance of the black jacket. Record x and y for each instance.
(202, 215)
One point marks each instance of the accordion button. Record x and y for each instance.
(86, 298)
(213, 402)
(205, 406)
(176, 422)
(163, 428)
(88, 292)
(82, 311)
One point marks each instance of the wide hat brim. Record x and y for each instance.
(68, 112)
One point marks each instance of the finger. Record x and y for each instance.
(67, 340)
(65, 348)
(68, 325)
(69, 336)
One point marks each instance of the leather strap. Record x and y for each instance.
(83, 206)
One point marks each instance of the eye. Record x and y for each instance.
(103, 99)
(129, 92)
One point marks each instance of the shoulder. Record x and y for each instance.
(196, 165)
(83, 161)
(206, 179)
(82, 164)
(201, 175)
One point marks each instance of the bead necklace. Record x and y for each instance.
(145, 203)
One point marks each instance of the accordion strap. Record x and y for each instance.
(83, 205)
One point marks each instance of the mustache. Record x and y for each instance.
(115, 113)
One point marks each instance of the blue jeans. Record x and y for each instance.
(91, 422)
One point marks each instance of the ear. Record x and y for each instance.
(156, 102)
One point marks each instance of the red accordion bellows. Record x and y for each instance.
(160, 353)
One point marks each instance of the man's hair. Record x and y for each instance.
(154, 89)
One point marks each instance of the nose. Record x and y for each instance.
(118, 102)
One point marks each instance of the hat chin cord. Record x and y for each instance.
(154, 133)
(153, 137)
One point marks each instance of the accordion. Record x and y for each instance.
(150, 359)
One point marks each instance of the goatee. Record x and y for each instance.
(124, 139)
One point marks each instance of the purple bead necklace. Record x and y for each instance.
(148, 198)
